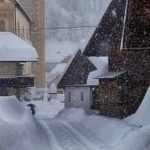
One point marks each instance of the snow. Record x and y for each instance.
(53, 88)
(56, 51)
(19, 129)
(124, 25)
(65, 42)
(58, 69)
(141, 116)
(70, 129)
(13, 48)
(45, 109)
(55, 74)
(66, 13)
(101, 63)
(110, 75)
(10, 110)
(97, 20)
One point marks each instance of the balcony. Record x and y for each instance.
(17, 81)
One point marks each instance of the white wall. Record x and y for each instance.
(79, 97)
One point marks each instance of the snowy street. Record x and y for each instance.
(70, 129)
(74, 74)
(67, 137)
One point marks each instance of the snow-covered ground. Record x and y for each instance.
(45, 109)
(70, 129)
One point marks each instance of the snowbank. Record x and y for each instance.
(73, 115)
(110, 130)
(53, 89)
(18, 128)
(141, 116)
(49, 109)
(13, 48)
(112, 134)
(11, 110)
(71, 129)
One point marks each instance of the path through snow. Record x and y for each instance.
(66, 137)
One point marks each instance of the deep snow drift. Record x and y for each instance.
(18, 128)
(72, 129)
(141, 117)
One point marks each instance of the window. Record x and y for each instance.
(18, 28)
(69, 96)
(2, 25)
(82, 96)
(23, 33)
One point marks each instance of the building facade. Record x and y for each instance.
(35, 10)
(26, 19)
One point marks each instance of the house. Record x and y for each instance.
(76, 71)
(55, 74)
(25, 18)
(18, 51)
(79, 96)
(19, 69)
(123, 34)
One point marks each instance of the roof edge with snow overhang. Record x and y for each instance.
(111, 75)
(15, 49)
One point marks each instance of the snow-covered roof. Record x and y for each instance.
(53, 88)
(56, 73)
(59, 68)
(101, 63)
(83, 43)
(13, 48)
(110, 75)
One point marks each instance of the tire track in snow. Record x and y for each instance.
(69, 138)
(66, 138)
(89, 135)
(54, 145)
(90, 142)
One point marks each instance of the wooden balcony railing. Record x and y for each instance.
(17, 81)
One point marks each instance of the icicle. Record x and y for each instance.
(124, 25)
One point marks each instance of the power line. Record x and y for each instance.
(55, 28)
(58, 28)
(71, 27)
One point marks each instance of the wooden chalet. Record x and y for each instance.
(124, 35)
